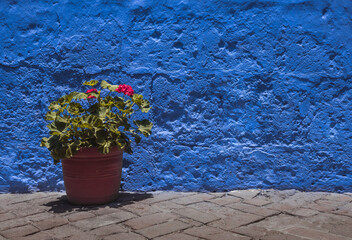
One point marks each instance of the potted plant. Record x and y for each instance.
(89, 132)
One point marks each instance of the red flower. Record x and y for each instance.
(126, 89)
(92, 90)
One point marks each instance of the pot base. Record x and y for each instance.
(92, 178)
(78, 200)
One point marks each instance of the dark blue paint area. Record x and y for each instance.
(246, 94)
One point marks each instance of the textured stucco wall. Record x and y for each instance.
(245, 94)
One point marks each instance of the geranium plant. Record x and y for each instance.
(95, 118)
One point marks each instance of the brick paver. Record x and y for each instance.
(109, 230)
(225, 200)
(314, 234)
(245, 194)
(261, 211)
(149, 220)
(129, 236)
(203, 217)
(193, 199)
(13, 223)
(64, 231)
(202, 231)
(177, 236)
(76, 216)
(212, 208)
(303, 212)
(163, 229)
(20, 231)
(283, 221)
(142, 209)
(257, 232)
(345, 210)
(239, 219)
(49, 223)
(338, 197)
(100, 221)
(211, 233)
(241, 214)
(35, 236)
(325, 221)
(257, 202)
(227, 236)
(6, 216)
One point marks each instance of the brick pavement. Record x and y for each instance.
(243, 215)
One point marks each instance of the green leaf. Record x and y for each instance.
(123, 121)
(85, 125)
(79, 95)
(51, 143)
(128, 103)
(127, 148)
(105, 146)
(101, 136)
(64, 118)
(137, 99)
(66, 98)
(119, 103)
(87, 121)
(91, 83)
(58, 125)
(54, 105)
(44, 142)
(51, 116)
(144, 126)
(137, 138)
(94, 109)
(68, 152)
(55, 133)
(127, 111)
(111, 115)
(124, 143)
(128, 107)
(77, 122)
(75, 108)
(102, 112)
(104, 84)
(94, 121)
(54, 142)
(108, 101)
(145, 106)
(59, 153)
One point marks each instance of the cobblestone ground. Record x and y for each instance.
(246, 214)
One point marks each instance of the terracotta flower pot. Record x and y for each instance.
(91, 177)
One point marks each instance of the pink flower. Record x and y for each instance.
(126, 89)
(92, 90)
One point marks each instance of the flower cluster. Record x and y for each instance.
(92, 90)
(126, 89)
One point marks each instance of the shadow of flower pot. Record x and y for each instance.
(62, 205)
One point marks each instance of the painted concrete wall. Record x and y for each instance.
(246, 94)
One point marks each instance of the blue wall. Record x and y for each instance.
(246, 94)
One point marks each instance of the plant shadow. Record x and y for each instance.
(62, 205)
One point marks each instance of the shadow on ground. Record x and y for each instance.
(62, 205)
